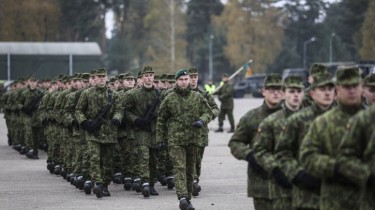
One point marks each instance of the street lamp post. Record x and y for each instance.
(305, 43)
(210, 57)
(330, 47)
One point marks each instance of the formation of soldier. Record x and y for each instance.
(132, 131)
(315, 151)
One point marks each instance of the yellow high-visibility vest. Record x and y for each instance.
(210, 88)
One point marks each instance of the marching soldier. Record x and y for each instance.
(225, 94)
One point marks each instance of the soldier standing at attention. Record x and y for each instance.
(306, 188)
(183, 135)
(320, 146)
(242, 142)
(369, 89)
(225, 94)
(94, 111)
(203, 139)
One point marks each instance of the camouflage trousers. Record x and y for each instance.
(101, 162)
(127, 156)
(117, 158)
(54, 146)
(146, 164)
(198, 164)
(282, 203)
(165, 163)
(30, 135)
(262, 204)
(222, 114)
(65, 137)
(184, 160)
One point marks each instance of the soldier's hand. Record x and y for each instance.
(306, 180)
(75, 123)
(371, 181)
(88, 125)
(161, 146)
(140, 122)
(115, 122)
(255, 166)
(281, 178)
(198, 124)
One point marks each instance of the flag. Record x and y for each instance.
(248, 70)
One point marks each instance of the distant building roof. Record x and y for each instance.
(50, 48)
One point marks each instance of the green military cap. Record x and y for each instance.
(32, 78)
(112, 80)
(163, 77)
(181, 72)
(317, 68)
(129, 75)
(47, 80)
(193, 71)
(93, 72)
(320, 80)
(156, 77)
(171, 78)
(273, 80)
(101, 72)
(139, 74)
(53, 81)
(293, 81)
(85, 76)
(369, 81)
(147, 69)
(76, 76)
(120, 76)
(348, 76)
(64, 79)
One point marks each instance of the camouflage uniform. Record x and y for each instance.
(319, 149)
(356, 155)
(181, 135)
(226, 108)
(316, 69)
(242, 143)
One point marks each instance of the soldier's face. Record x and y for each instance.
(156, 84)
(116, 85)
(273, 95)
(101, 80)
(162, 84)
(32, 84)
(369, 94)
(349, 95)
(324, 95)
(148, 79)
(92, 80)
(193, 81)
(293, 97)
(129, 83)
(183, 81)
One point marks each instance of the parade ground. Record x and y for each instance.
(27, 184)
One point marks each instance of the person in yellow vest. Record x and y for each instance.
(210, 87)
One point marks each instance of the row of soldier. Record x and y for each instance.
(312, 151)
(96, 131)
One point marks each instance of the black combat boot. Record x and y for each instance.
(80, 183)
(219, 130)
(105, 191)
(71, 178)
(98, 190)
(128, 183)
(87, 187)
(51, 167)
(183, 203)
(57, 170)
(117, 178)
(196, 188)
(153, 191)
(231, 129)
(163, 180)
(137, 185)
(23, 150)
(146, 190)
(190, 206)
(170, 181)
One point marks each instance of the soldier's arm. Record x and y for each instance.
(161, 124)
(263, 146)
(81, 107)
(119, 107)
(69, 109)
(311, 157)
(207, 112)
(286, 147)
(226, 93)
(351, 152)
(240, 141)
(129, 106)
(214, 107)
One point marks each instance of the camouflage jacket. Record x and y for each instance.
(136, 105)
(122, 131)
(242, 143)
(51, 104)
(42, 109)
(356, 154)
(178, 111)
(287, 152)
(264, 147)
(58, 110)
(318, 153)
(225, 94)
(30, 100)
(90, 104)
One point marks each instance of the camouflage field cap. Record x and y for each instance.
(369, 81)
(85, 77)
(348, 76)
(163, 77)
(101, 72)
(129, 75)
(32, 78)
(112, 80)
(181, 72)
(53, 81)
(193, 71)
(156, 77)
(139, 74)
(120, 76)
(273, 80)
(76, 76)
(92, 72)
(64, 79)
(293, 81)
(147, 69)
(318, 69)
(322, 80)
(171, 78)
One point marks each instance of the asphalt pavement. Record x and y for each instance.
(26, 184)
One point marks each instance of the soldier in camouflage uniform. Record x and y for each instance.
(264, 144)
(242, 142)
(183, 135)
(94, 111)
(203, 139)
(369, 90)
(140, 110)
(320, 146)
(225, 94)
(315, 69)
(306, 188)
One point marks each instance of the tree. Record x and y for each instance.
(367, 50)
